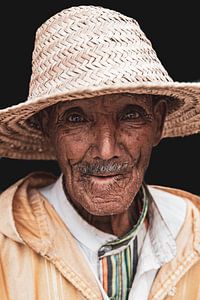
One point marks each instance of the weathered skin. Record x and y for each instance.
(103, 146)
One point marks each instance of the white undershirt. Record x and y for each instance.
(157, 248)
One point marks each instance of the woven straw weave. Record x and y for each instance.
(88, 51)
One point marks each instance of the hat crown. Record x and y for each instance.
(86, 47)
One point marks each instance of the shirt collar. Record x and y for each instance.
(167, 214)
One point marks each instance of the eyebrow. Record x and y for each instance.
(133, 106)
(71, 109)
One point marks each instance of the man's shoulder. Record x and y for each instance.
(33, 179)
(19, 192)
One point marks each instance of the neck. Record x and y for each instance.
(118, 224)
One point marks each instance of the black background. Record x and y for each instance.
(174, 32)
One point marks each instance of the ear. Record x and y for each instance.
(160, 112)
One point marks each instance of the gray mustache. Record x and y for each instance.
(104, 168)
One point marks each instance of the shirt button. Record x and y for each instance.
(104, 249)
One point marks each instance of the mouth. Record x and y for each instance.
(107, 178)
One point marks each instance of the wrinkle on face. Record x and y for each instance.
(103, 146)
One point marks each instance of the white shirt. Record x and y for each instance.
(158, 246)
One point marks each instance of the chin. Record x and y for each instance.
(98, 207)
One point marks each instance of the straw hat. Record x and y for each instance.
(86, 51)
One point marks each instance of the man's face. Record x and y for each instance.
(103, 146)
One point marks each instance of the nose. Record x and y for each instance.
(106, 140)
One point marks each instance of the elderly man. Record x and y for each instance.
(99, 101)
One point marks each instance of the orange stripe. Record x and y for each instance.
(105, 274)
(146, 223)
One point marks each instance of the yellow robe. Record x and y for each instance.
(39, 259)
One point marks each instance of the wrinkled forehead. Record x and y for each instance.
(108, 102)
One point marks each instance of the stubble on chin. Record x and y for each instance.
(106, 198)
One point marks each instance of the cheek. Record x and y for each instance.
(70, 147)
(138, 139)
(138, 144)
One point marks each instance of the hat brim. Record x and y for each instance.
(21, 141)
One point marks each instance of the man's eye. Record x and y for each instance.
(131, 116)
(75, 118)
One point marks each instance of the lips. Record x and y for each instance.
(105, 185)
(107, 178)
(104, 175)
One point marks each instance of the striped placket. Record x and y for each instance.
(118, 259)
